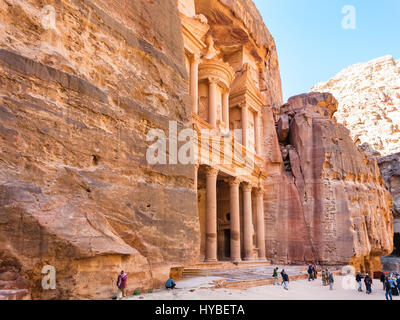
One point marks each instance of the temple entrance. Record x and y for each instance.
(231, 217)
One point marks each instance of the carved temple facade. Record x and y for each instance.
(226, 104)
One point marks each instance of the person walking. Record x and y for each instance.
(331, 280)
(121, 284)
(323, 277)
(368, 283)
(383, 280)
(389, 284)
(285, 278)
(275, 276)
(282, 273)
(315, 272)
(359, 281)
(310, 273)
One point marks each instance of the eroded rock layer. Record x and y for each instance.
(369, 102)
(331, 204)
(77, 96)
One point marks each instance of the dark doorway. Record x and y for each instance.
(227, 243)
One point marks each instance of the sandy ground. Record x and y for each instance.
(201, 289)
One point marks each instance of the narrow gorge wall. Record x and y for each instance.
(77, 98)
(333, 207)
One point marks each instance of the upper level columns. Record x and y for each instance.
(260, 223)
(225, 108)
(212, 102)
(257, 132)
(245, 125)
(194, 84)
(211, 215)
(247, 222)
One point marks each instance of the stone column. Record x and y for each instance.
(212, 102)
(245, 124)
(260, 224)
(257, 133)
(247, 222)
(225, 108)
(211, 215)
(234, 184)
(194, 84)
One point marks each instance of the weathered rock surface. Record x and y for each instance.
(369, 102)
(331, 204)
(76, 102)
(390, 170)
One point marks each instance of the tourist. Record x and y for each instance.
(170, 284)
(121, 284)
(315, 272)
(310, 273)
(285, 278)
(275, 276)
(368, 283)
(323, 277)
(383, 279)
(359, 281)
(331, 280)
(389, 285)
(282, 273)
(395, 290)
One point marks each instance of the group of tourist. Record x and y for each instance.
(327, 278)
(312, 272)
(367, 281)
(391, 284)
(285, 278)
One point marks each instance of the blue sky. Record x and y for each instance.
(312, 44)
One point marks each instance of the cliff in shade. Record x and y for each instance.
(369, 102)
(330, 204)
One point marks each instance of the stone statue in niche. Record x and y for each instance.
(211, 51)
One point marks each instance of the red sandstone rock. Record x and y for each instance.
(335, 209)
(76, 103)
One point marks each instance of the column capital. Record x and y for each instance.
(213, 80)
(259, 191)
(195, 58)
(247, 186)
(234, 181)
(211, 172)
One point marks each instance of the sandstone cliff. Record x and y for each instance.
(77, 98)
(369, 102)
(330, 205)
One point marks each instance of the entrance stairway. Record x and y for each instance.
(207, 269)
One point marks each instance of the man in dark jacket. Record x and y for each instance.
(383, 279)
(285, 279)
(368, 283)
(121, 284)
(310, 273)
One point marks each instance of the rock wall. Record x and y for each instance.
(78, 93)
(330, 205)
(390, 169)
(369, 102)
